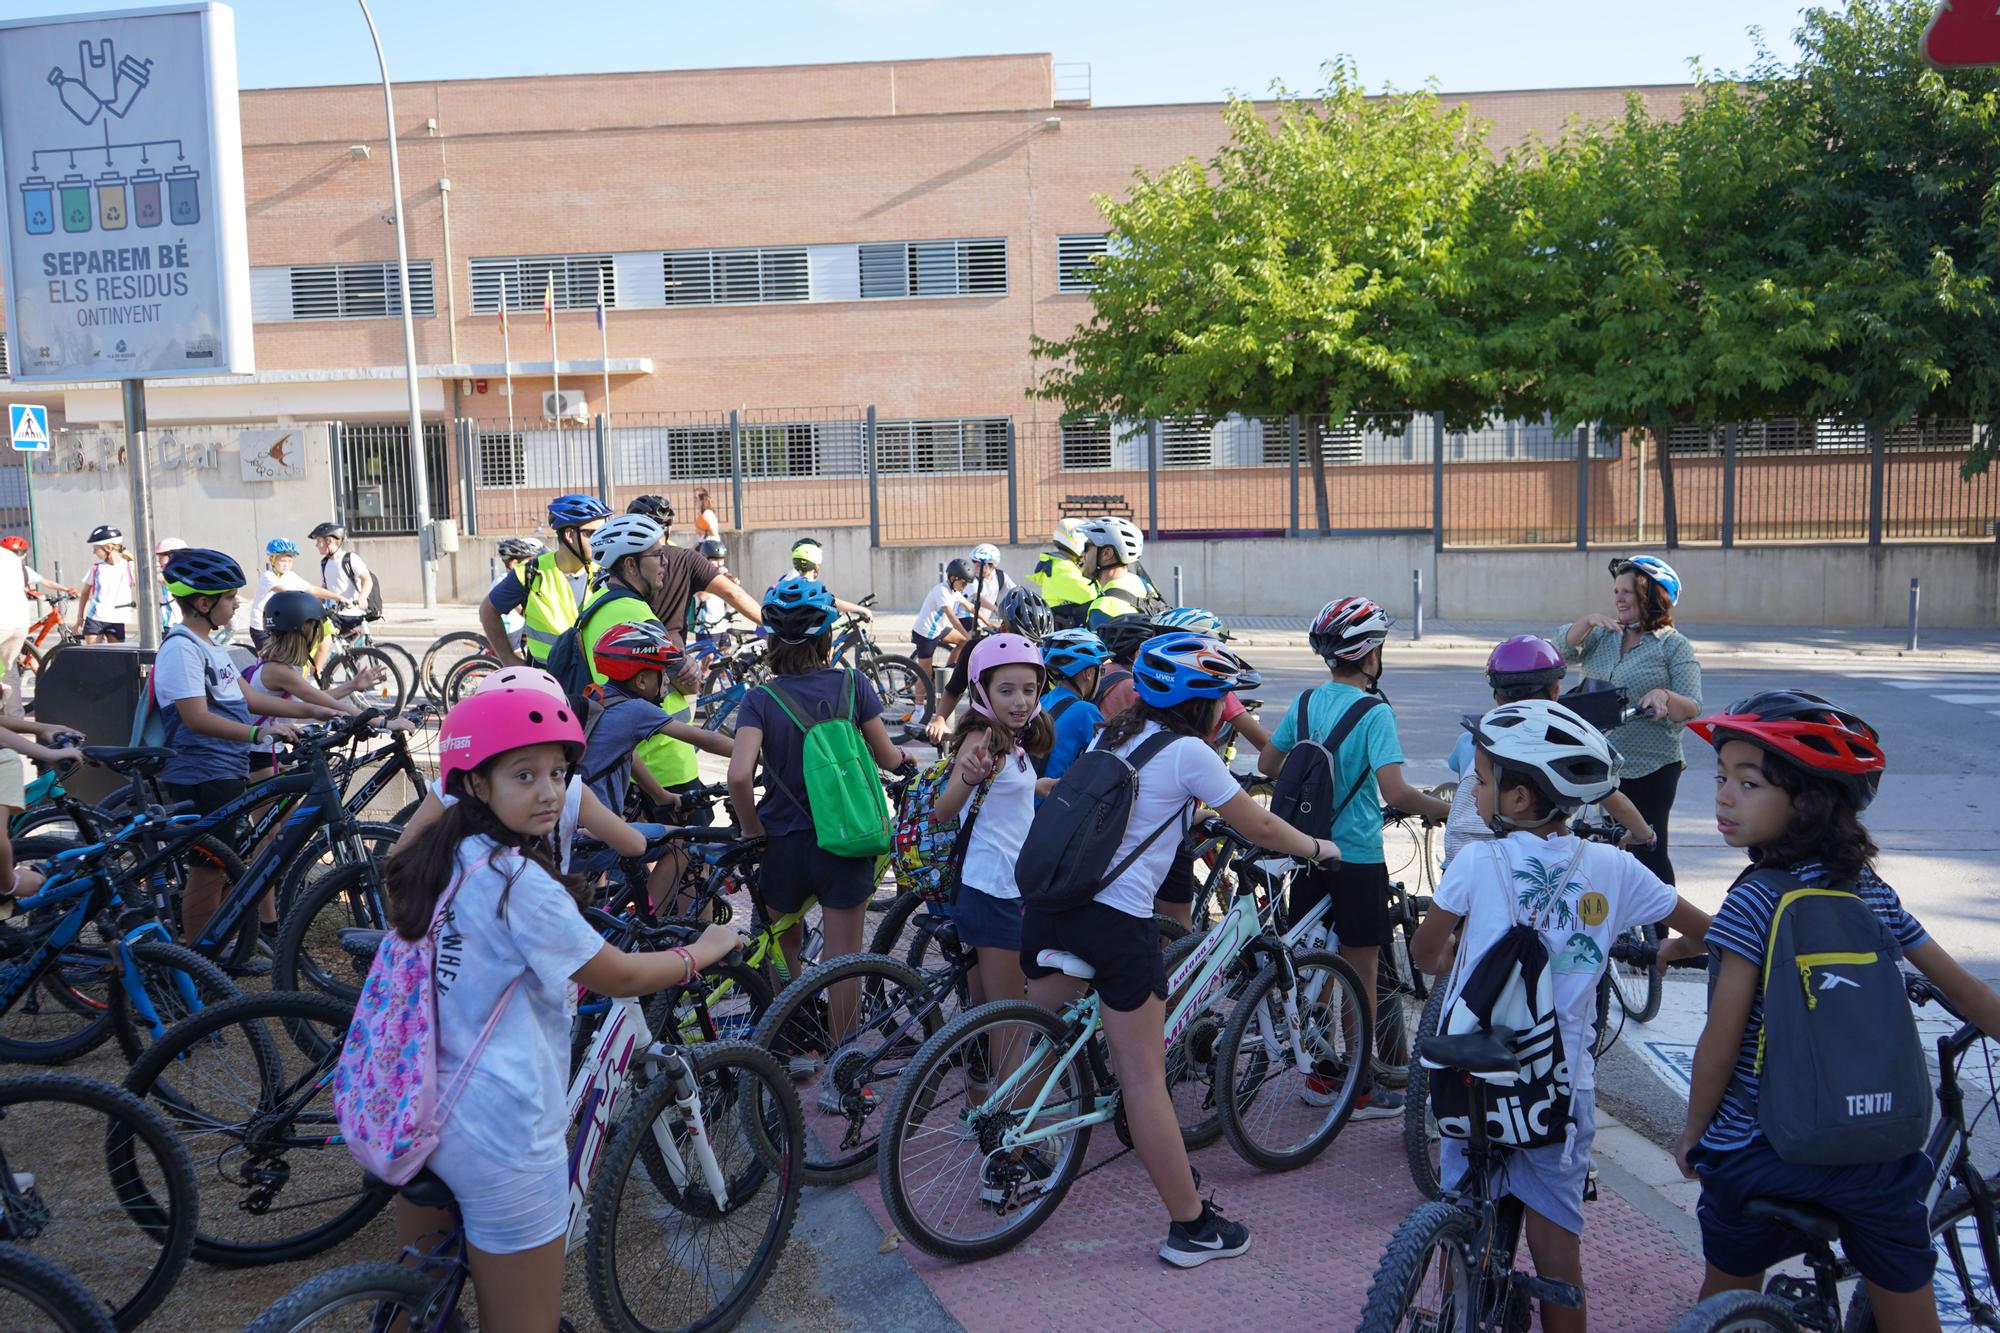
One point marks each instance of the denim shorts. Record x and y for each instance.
(984, 921)
(1883, 1230)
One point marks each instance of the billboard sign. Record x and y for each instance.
(121, 158)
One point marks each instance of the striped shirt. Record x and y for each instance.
(1662, 659)
(1742, 925)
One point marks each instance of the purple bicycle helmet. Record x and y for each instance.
(1526, 660)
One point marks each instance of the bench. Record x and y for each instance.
(1093, 506)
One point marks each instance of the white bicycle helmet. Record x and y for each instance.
(1349, 628)
(1117, 533)
(1558, 753)
(627, 534)
(986, 553)
(1069, 536)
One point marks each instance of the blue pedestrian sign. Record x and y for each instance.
(30, 427)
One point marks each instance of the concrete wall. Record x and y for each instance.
(199, 495)
(1774, 585)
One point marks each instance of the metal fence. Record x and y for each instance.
(925, 480)
(374, 477)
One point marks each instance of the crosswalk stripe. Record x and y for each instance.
(1988, 698)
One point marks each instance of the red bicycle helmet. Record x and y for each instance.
(635, 646)
(1349, 628)
(493, 722)
(1818, 736)
(18, 545)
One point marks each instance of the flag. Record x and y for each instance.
(503, 317)
(600, 307)
(549, 305)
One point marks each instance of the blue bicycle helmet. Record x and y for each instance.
(197, 572)
(1654, 568)
(1193, 620)
(281, 546)
(1175, 668)
(797, 609)
(289, 611)
(1071, 652)
(572, 511)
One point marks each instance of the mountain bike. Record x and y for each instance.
(445, 652)
(47, 636)
(902, 683)
(682, 1203)
(1450, 1265)
(40, 1293)
(354, 648)
(1960, 1201)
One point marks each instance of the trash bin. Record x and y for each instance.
(94, 690)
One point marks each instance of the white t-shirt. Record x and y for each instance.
(1463, 824)
(270, 584)
(985, 593)
(514, 1104)
(942, 607)
(14, 617)
(333, 575)
(177, 672)
(109, 601)
(1605, 883)
(566, 822)
(1002, 828)
(1187, 769)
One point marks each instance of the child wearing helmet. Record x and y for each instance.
(549, 590)
(277, 576)
(512, 949)
(989, 584)
(799, 614)
(1538, 762)
(1523, 667)
(1349, 633)
(1075, 659)
(106, 603)
(1794, 772)
(1059, 574)
(806, 558)
(1182, 679)
(944, 617)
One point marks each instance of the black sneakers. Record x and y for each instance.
(1210, 1236)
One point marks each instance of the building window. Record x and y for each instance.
(1086, 444)
(954, 444)
(286, 293)
(502, 460)
(523, 279)
(1076, 257)
(934, 268)
(736, 277)
(698, 451)
(4, 372)
(1187, 442)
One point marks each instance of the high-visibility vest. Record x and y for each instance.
(1061, 582)
(550, 609)
(1130, 591)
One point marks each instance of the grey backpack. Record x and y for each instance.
(1841, 1073)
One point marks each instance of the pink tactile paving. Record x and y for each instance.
(1317, 1234)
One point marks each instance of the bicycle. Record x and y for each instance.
(712, 1132)
(36, 649)
(1050, 1100)
(39, 1293)
(1450, 1264)
(1960, 1202)
(445, 652)
(354, 648)
(91, 1175)
(902, 683)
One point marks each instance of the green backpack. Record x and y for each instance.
(844, 798)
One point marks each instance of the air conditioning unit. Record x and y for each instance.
(565, 405)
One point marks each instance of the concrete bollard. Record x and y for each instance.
(1417, 604)
(1916, 594)
(1178, 599)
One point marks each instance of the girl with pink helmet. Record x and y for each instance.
(512, 947)
(997, 742)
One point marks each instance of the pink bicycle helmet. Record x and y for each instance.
(998, 650)
(522, 678)
(493, 722)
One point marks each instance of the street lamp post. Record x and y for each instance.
(419, 463)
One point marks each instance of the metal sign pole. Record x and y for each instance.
(143, 591)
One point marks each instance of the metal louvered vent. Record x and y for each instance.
(934, 268)
(359, 291)
(736, 277)
(523, 279)
(1076, 257)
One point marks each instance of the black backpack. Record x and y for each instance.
(1066, 860)
(1304, 792)
(1842, 1079)
(374, 600)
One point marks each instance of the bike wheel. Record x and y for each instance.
(1266, 1113)
(257, 1115)
(1640, 989)
(1425, 1279)
(446, 652)
(725, 1003)
(843, 1080)
(360, 1296)
(66, 1012)
(323, 854)
(111, 1190)
(941, 1133)
(890, 930)
(404, 659)
(1421, 1141)
(904, 688)
(309, 957)
(1392, 1021)
(1191, 1066)
(662, 1251)
(461, 679)
(40, 1294)
(1748, 1312)
(387, 693)
(179, 982)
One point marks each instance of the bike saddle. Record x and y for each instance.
(425, 1189)
(1066, 963)
(360, 943)
(1809, 1220)
(144, 760)
(1481, 1054)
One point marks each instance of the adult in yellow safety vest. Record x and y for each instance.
(1112, 546)
(1058, 573)
(549, 590)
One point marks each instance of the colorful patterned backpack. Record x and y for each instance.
(927, 858)
(385, 1088)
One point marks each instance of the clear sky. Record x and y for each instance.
(1139, 50)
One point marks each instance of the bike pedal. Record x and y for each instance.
(1795, 1290)
(1553, 1291)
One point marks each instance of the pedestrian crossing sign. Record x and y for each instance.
(30, 427)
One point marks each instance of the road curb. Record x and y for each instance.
(866, 1285)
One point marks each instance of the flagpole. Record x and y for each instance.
(555, 376)
(507, 364)
(604, 350)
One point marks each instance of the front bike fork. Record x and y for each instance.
(136, 993)
(679, 1074)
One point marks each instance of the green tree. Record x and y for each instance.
(1894, 220)
(1309, 267)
